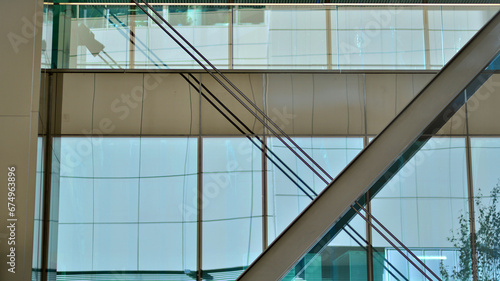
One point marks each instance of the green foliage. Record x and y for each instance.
(487, 241)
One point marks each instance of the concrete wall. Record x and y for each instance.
(20, 46)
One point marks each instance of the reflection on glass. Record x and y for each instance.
(263, 37)
(232, 204)
(343, 258)
(125, 204)
(101, 37)
(38, 217)
(485, 154)
(46, 54)
(285, 200)
(422, 205)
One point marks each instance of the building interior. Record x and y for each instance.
(252, 139)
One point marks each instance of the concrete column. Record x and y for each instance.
(20, 48)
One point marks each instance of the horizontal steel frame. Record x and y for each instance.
(381, 155)
(307, 5)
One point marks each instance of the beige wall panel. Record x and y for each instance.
(280, 102)
(118, 103)
(388, 94)
(338, 104)
(356, 102)
(405, 91)
(21, 153)
(171, 105)
(213, 122)
(19, 101)
(420, 81)
(302, 102)
(380, 101)
(19, 71)
(77, 101)
(483, 108)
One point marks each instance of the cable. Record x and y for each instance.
(257, 109)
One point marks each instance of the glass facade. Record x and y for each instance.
(131, 204)
(146, 191)
(261, 37)
(156, 200)
(285, 199)
(231, 204)
(124, 205)
(422, 204)
(442, 205)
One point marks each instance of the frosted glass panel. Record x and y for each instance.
(423, 204)
(286, 200)
(76, 240)
(486, 175)
(232, 203)
(115, 247)
(129, 204)
(116, 157)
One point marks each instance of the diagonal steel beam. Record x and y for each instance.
(378, 162)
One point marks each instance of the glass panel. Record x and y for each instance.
(422, 205)
(126, 205)
(294, 37)
(343, 258)
(250, 37)
(485, 153)
(232, 205)
(285, 200)
(379, 38)
(47, 37)
(423, 200)
(100, 36)
(38, 217)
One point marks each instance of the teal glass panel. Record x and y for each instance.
(343, 258)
